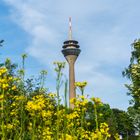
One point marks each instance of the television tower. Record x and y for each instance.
(71, 51)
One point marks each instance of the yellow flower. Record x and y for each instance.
(13, 104)
(69, 137)
(13, 113)
(21, 97)
(73, 100)
(81, 84)
(47, 134)
(3, 71)
(9, 126)
(88, 123)
(52, 95)
(14, 87)
(73, 115)
(5, 86)
(117, 137)
(104, 129)
(97, 101)
(1, 97)
(45, 113)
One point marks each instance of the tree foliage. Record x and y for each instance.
(124, 123)
(133, 73)
(1, 41)
(105, 114)
(135, 116)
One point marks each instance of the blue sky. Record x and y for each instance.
(104, 28)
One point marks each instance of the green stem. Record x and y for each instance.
(57, 126)
(2, 126)
(58, 101)
(83, 112)
(65, 119)
(82, 91)
(34, 127)
(82, 118)
(96, 117)
(22, 121)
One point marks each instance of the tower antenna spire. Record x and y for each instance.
(70, 29)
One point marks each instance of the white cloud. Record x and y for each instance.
(98, 25)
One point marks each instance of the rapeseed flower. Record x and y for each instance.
(38, 116)
(97, 101)
(81, 85)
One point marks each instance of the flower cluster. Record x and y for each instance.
(39, 116)
(97, 101)
(81, 85)
(59, 66)
(6, 81)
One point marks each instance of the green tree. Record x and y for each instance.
(108, 116)
(135, 116)
(133, 73)
(125, 125)
(105, 114)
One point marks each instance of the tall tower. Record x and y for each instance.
(71, 51)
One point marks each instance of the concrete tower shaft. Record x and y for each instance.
(71, 60)
(71, 51)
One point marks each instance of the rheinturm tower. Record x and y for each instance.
(71, 51)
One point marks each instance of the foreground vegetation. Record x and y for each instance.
(29, 112)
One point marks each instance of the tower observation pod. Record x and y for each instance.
(71, 51)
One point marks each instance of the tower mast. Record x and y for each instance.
(70, 29)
